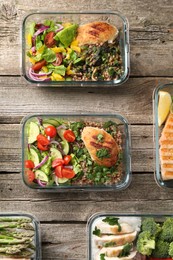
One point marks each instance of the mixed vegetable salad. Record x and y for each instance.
(56, 154)
(56, 55)
(130, 237)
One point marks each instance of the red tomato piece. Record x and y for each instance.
(42, 147)
(49, 40)
(57, 162)
(67, 159)
(69, 136)
(58, 171)
(50, 131)
(68, 173)
(29, 164)
(30, 175)
(155, 258)
(42, 139)
(38, 65)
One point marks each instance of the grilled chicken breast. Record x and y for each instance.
(166, 149)
(117, 239)
(111, 251)
(105, 228)
(96, 33)
(101, 146)
(129, 257)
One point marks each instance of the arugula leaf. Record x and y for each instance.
(112, 221)
(97, 232)
(49, 55)
(103, 153)
(126, 250)
(60, 70)
(102, 256)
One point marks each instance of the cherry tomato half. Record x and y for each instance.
(50, 131)
(67, 159)
(155, 258)
(42, 139)
(58, 171)
(57, 162)
(68, 173)
(38, 65)
(49, 40)
(42, 147)
(30, 175)
(29, 164)
(69, 136)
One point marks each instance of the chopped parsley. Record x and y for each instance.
(108, 124)
(103, 153)
(101, 174)
(126, 250)
(102, 256)
(97, 232)
(112, 221)
(100, 138)
(110, 244)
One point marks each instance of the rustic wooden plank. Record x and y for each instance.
(10, 150)
(133, 99)
(151, 34)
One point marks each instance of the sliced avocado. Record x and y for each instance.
(65, 146)
(40, 175)
(34, 155)
(62, 180)
(67, 35)
(55, 153)
(33, 131)
(51, 121)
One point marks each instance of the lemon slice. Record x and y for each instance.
(163, 106)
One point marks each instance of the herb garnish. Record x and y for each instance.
(126, 250)
(100, 138)
(97, 232)
(109, 244)
(102, 256)
(103, 153)
(112, 221)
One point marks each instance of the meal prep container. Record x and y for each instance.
(157, 132)
(114, 18)
(131, 219)
(126, 156)
(37, 238)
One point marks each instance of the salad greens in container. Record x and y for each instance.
(75, 48)
(76, 152)
(19, 236)
(163, 125)
(114, 236)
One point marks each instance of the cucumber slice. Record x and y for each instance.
(65, 146)
(55, 153)
(51, 121)
(33, 131)
(46, 125)
(40, 175)
(35, 155)
(62, 180)
(61, 133)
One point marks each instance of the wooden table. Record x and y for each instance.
(64, 216)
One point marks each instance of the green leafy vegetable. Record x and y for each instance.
(110, 244)
(100, 138)
(126, 250)
(103, 153)
(49, 55)
(112, 221)
(38, 42)
(97, 232)
(60, 70)
(32, 28)
(102, 256)
(67, 35)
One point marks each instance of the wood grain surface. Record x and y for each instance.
(64, 216)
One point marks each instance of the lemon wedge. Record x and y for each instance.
(163, 106)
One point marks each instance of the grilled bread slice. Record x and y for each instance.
(101, 146)
(96, 33)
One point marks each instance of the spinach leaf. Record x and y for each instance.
(126, 250)
(97, 232)
(112, 221)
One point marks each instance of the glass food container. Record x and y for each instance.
(160, 178)
(114, 18)
(21, 227)
(108, 233)
(89, 176)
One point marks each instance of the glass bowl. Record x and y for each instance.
(81, 182)
(157, 133)
(103, 233)
(114, 18)
(22, 220)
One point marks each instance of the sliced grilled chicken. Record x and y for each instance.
(96, 33)
(111, 251)
(166, 149)
(129, 257)
(101, 146)
(117, 239)
(105, 228)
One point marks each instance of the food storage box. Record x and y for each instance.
(163, 135)
(129, 236)
(78, 62)
(76, 152)
(20, 236)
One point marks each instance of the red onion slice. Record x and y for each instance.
(61, 127)
(54, 142)
(40, 121)
(36, 78)
(41, 183)
(60, 28)
(40, 74)
(42, 162)
(56, 180)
